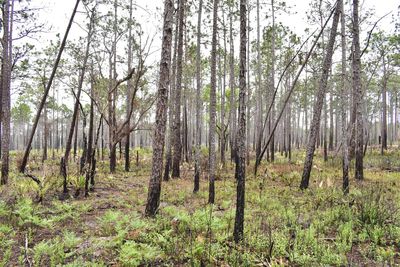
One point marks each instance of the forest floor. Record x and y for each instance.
(283, 225)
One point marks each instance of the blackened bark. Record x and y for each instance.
(240, 172)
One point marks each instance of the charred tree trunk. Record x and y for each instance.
(240, 172)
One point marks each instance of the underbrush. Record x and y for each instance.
(284, 226)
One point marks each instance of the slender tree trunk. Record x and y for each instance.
(153, 197)
(198, 102)
(359, 169)
(212, 128)
(129, 89)
(331, 126)
(232, 87)
(272, 115)
(45, 134)
(91, 122)
(320, 100)
(248, 96)
(41, 105)
(343, 105)
(6, 97)
(177, 144)
(240, 172)
(384, 108)
(64, 160)
(259, 128)
(76, 129)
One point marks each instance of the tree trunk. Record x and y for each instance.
(272, 115)
(359, 169)
(232, 87)
(6, 97)
(343, 105)
(64, 160)
(384, 108)
(153, 197)
(44, 98)
(258, 121)
(129, 89)
(45, 134)
(240, 172)
(320, 100)
(198, 102)
(212, 128)
(177, 144)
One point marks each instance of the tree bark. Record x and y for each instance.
(232, 87)
(320, 100)
(177, 144)
(6, 97)
(240, 172)
(359, 169)
(171, 110)
(198, 102)
(129, 90)
(212, 109)
(343, 105)
(153, 197)
(384, 108)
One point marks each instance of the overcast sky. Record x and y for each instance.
(57, 12)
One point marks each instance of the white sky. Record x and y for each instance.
(56, 13)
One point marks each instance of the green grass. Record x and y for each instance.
(283, 225)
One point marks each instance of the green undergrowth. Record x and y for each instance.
(284, 226)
